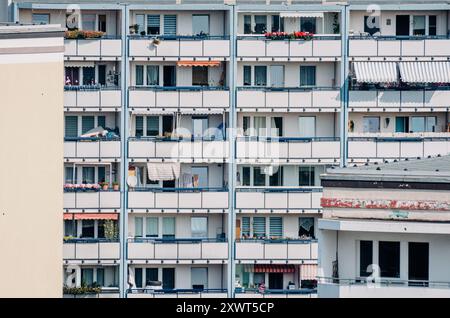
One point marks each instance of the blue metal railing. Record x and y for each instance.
(425, 87)
(90, 240)
(286, 139)
(176, 240)
(303, 291)
(175, 291)
(91, 138)
(263, 37)
(103, 37)
(280, 190)
(178, 37)
(96, 87)
(277, 240)
(173, 139)
(398, 37)
(288, 89)
(180, 88)
(199, 189)
(399, 139)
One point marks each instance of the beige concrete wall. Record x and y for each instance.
(31, 170)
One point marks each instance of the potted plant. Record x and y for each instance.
(104, 185)
(116, 186)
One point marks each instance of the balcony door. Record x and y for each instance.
(275, 280)
(277, 76)
(402, 25)
(199, 126)
(168, 276)
(170, 78)
(307, 126)
(200, 177)
(418, 263)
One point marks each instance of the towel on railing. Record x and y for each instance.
(163, 171)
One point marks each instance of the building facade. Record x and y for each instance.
(212, 211)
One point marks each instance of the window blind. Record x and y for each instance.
(259, 226)
(170, 24)
(71, 129)
(276, 226)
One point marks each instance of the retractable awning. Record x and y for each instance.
(301, 14)
(198, 63)
(91, 216)
(263, 268)
(376, 72)
(79, 64)
(308, 271)
(425, 72)
(163, 171)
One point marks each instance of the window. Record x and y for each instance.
(276, 126)
(151, 227)
(371, 24)
(307, 76)
(102, 23)
(432, 25)
(100, 276)
(168, 277)
(261, 75)
(101, 121)
(306, 176)
(70, 175)
(72, 75)
(307, 126)
(151, 275)
(423, 124)
(101, 174)
(41, 18)
(88, 75)
(153, 24)
(365, 257)
(70, 228)
(139, 75)
(199, 278)
(168, 230)
(199, 126)
(276, 226)
(308, 24)
(247, 24)
(88, 175)
(101, 229)
(138, 227)
(276, 179)
(306, 228)
(246, 176)
(260, 125)
(71, 126)
(247, 75)
(138, 277)
(246, 125)
(389, 259)
(199, 76)
(170, 24)
(88, 22)
(139, 128)
(199, 227)
(102, 75)
(402, 124)
(260, 24)
(277, 75)
(152, 126)
(419, 25)
(88, 229)
(140, 21)
(199, 177)
(371, 124)
(277, 23)
(87, 123)
(259, 227)
(245, 231)
(87, 276)
(259, 178)
(200, 24)
(152, 75)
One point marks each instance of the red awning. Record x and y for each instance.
(91, 216)
(262, 268)
(198, 63)
(308, 272)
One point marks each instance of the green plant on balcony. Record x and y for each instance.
(68, 238)
(83, 289)
(104, 185)
(111, 230)
(115, 186)
(81, 34)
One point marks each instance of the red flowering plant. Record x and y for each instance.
(80, 34)
(299, 35)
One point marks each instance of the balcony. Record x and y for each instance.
(278, 199)
(178, 199)
(78, 98)
(324, 99)
(277, 293)
(287, 149)
(321, 46)
(91, 250)
(107, 48)
(183, 150)
(293, 251)
(398, 99)
(91, 200)
(105, 293)
(144, 250)
(176, 293)
(79, 148)
(399, 46)
(367, 148)
(180, 46)
(179, 98)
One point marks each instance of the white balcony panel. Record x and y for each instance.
(300, 149)
(277, 99)
(191, 99)
(315, 200)
(388, 149)
(436, 147)
(362, 149)
(216, 98)
(190, 200)
(70, 47)
(276, 150)
(166, 251)
(314, 250)
(167, 99)
(168, 48)
(276, 251)
(69, 200)
(215, 250)
(89, 47)
(411, 149)
(70, 149)
(189, 251)
(215, 149)
(87, 251)
(249, 200)
(68, 251)
(277, 48)
(363, 48)
(88, 98)
(111, 98)
(110, 199)
(141, 149)
(250, 251)
(141, 200)
(88, 149)
(326, 48)
(299, 200)
(190, 149)
(301, 99)
(301, 251)
(111, 47)
(325, 149)
(250, 149)
(110, 149)
(215, 200)
(251, 48)
(274, 200)
(87, 200)
(301, 48)
(437, 47)
(437, 98)
(389, 99)
(362, 98)
(166, 200)
(109, 250)
(191, 48)
(140, 250)
(142, 98)
(389, 48)
(326, 98)
(412, 99)
(142, 48)
(413, 48)
(70, 98)
(168, 149)
(216, 48)
(247, 98)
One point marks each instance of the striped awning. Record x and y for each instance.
(425, 72)
(79, 64)
(198, 63)
(264, 268)
(308, 271)
(376, 72)
(91, 216)
(301, 14)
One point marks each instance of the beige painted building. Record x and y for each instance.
(31, 143)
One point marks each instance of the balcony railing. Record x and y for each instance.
(176, 293)
(178, 199)
(276, 149)
(109, 292)
(396, 97)
(91, 148)
(260, 46)
(316, 98)
(285, 250)
(145, 249)
(198, 97)
(92, 97)
(399, 46)
(180, 46)
(276, 293)
(363, 148)
(205, 149)
(273, 199)
(91, 199)
(91, 249)
(106, 46)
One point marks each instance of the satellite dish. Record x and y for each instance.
(132, 181)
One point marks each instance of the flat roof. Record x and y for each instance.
(16, 30)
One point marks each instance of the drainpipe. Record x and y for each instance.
(123, 266)
(345, 18)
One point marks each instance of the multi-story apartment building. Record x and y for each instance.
(384, 231)
(213, 211)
